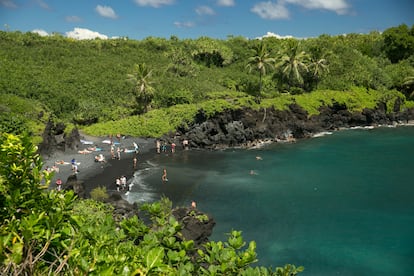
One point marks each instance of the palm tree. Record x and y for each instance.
(144, 92)
(260, 61)
(317, 67)
(408, 86)
(293, 64)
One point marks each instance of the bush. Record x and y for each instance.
(99, 194)
(46, 232)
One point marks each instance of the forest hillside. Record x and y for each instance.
(88, 83)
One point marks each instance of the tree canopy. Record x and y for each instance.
(85, 81)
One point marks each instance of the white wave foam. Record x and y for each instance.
(321, 134)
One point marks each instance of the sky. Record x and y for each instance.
(139, 19)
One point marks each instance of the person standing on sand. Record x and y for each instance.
(172, 147)
(164, 176)
(136, 148)
(158, 146)
(112, 151)
(119, 153)
(118, 184)
(73, 162)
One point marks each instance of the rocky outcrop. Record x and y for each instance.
(72, 183)
(248, 127)
(122, 208)
(55, 139)
(196, 225)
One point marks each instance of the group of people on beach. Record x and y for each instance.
(115, 151)
(162, 146)
(121, 183)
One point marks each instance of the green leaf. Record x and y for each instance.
(154, 258)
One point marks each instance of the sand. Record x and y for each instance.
(94, 174)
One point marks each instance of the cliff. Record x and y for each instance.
(248, 127)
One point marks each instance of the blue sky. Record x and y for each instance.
(138, 19)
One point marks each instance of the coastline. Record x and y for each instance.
(93, 174)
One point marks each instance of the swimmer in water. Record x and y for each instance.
(164, 176)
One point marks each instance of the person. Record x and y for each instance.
(112, 151)
(73, 162)
(164, 147)
(119, 153)
(158, 146)
(75, 169)
(59, 184)
(185, 144)
(74, 166)
(259, 158)
(172, 147)
(118, 184)
(123, 180)
(134, 161)
(136, 147)
(193, 204)
(164, 176)
(100, 158)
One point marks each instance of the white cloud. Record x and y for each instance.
(80, 33)
(270, 34)
(338, 6)
(154, 3)
(187, 24)
(8, 4)
(40, 32)
(270, 10)
(204, 10)
(226, 3)
(106, 11)
(73, 18)
(278, 9)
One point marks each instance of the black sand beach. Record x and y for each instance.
(95, 174)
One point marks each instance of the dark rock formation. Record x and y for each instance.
(197, 226)
(55, 139)
(122, 208)
(247, 127)
(72, 183)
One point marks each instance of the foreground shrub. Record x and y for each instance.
(45, 232)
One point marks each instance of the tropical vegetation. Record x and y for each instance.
(153, 85)
(149, 88)
(49, 232)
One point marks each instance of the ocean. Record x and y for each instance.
(338, 204)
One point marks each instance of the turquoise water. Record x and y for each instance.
(341, 204)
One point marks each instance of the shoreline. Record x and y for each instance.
(93, 174)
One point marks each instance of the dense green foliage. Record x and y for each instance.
(45, 232)
(104, 81)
